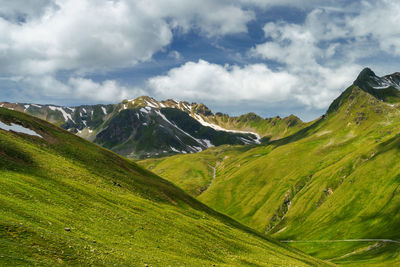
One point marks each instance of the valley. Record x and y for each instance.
(329, 187)
(336, 179)
(65, 201)
(202, 133)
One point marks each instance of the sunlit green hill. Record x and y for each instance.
(337, 179)
(65, 201)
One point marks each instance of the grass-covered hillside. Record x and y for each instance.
(67, 202)
(268, 128)
(336, 179)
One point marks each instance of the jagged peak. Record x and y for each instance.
(366, 73)
(202, 109)
(368, 81)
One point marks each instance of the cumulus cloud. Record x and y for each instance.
(378, 21)
(47, 87)
(210, 17)
(317, 58)
(325, 51)
(230, 84)
(81, 35)
(206, 81)
(90, 35)
(20, 10)
(40, 38)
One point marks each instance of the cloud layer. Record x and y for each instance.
(89, 35)
(44, 37)
(303, 64)
(206, 81)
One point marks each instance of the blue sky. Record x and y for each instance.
(267, 56)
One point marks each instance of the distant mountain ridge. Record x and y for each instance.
(141, 127)
(144, 127)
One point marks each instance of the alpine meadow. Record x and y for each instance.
(199, 133)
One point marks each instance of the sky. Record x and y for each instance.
(272, 57)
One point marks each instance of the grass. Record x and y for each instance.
(338, 178)
(270, 128)
(66, 201)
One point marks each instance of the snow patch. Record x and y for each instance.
(246, 141)
(219, 128)
(383, 83)
(174, 149)
(150, 104)
(208, 143)
(65, 114)
(143, 110)
(18, 128)
(201, 142)
(197, 148)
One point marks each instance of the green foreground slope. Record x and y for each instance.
(65, 201)
(336, 179)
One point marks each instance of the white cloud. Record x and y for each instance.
(86, 35)
(271, 3)
(203, 81)
(40, 38)
(325, 51)
(379, 21)
(317, 58)
(21, 9)
(81, 35)
(77, 88)
(175, 55)
(212, 18)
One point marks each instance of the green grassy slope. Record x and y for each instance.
(336, 179)
(193, 172)
(269, 128)
(66, 201)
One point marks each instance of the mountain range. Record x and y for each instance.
(144, 127)
(329, 188)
